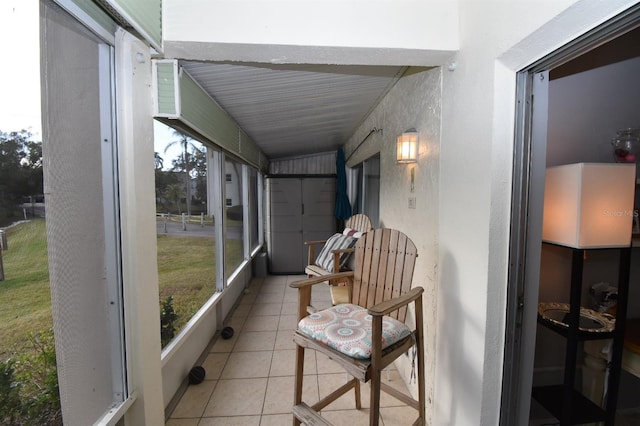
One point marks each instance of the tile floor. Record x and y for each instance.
(250, 377)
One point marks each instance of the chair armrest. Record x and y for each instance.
(346, 250)
(320, 279)
(336, 257)
(389, 306)
(311, 256)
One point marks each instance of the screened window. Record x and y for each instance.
(185, 229)
(193, 182)
(82, 205)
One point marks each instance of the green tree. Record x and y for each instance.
(200, 167)
(158, 161)
(197, 171)
(164, 178)
(183, 163)
(20, 171)
(174, 194)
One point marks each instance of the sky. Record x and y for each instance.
(162, 135)
(20, 75)
(20, 67)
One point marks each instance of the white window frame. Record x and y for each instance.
(123, 397)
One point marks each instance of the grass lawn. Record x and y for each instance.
(186, 270)
(26, 300)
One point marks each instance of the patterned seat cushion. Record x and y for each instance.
(348, 329)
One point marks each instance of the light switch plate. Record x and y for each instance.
(412, 202)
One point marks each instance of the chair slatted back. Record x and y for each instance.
(359, 222)
(385, 260)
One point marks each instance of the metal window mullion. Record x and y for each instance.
(260, 209)
(615, 27)
(113, 256)
(219, 197)
(246, 213)
(363, 187)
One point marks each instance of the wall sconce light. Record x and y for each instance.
(408, 147)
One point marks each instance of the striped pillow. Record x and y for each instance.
(335, 242)
(352, 233)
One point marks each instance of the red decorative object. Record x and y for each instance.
(626, 146)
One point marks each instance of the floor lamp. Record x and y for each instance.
(587, 206)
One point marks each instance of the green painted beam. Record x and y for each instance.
(179, 97)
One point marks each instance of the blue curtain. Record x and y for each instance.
(343, 208)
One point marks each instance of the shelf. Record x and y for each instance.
(592, 325)
(581, 334)
(583, 410)
(576, 324)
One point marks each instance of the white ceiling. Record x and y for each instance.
(292, 110)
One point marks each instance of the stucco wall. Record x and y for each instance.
(475, 183)
(408, 32)
(414, 102)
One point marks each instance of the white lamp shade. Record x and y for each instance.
(407, 144)
(589, 205)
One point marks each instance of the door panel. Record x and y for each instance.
(285, 205)
(299, 210)
(318, 197)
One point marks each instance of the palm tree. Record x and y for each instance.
(158, 161)
(185, 142)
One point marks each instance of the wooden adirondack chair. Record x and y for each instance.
(339, 289)
(381, 292)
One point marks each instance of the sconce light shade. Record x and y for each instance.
(589, 205)
(408, 147)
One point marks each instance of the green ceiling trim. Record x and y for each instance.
(88, 12)
(165, 73)
(179, 97)
(143, 15)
